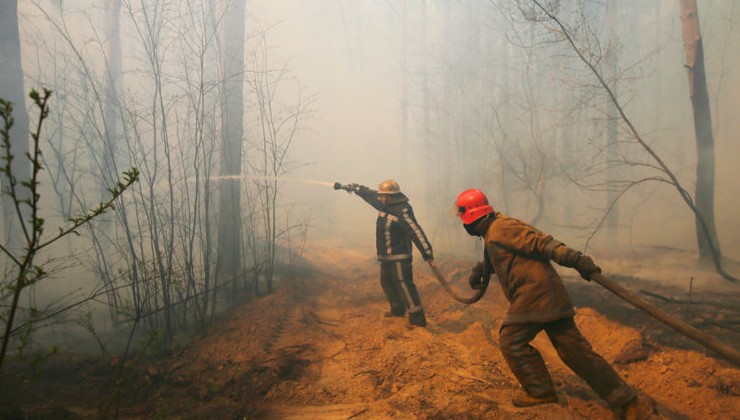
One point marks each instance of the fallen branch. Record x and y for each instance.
(688, 302)
(483, 381)
(369, 372)
(358, 413)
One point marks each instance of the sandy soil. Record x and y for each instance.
(319, 348)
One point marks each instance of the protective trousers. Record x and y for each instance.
(527, 365)
(397, 281)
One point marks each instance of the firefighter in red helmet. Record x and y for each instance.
(519, 255)
(396, 229)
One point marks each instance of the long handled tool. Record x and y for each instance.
(679, 325)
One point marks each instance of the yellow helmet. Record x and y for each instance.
(389, 186)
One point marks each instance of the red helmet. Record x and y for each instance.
(471, 205)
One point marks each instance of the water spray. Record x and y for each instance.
(270, 178)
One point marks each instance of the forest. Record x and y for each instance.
(173, 245)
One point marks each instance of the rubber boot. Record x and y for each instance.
(639, 408)
(525, 400)
(418, 319)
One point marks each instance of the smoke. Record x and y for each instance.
(268, 178)
(450, 96)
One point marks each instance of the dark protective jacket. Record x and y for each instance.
(520, 256)
(396, 227)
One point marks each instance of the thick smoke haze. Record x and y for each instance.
(440, 96)
(351, 55)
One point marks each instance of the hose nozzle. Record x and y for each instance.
(346, 187)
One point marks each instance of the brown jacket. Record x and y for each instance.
(520, 256)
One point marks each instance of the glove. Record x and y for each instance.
(475, 280)
(586, 267)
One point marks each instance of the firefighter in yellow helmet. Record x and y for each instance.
(395, 229)
(519, 255)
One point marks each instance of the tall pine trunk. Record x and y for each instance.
(228, 260)
(694, 49)
(12, 89)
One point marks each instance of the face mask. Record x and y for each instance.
(471, 229)
(478, 227)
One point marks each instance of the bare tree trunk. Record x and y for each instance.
(694, 49)
(612, 116)
(228, 260)
(112, 89)
(12, 89)
(110, 137)
(404, 87)
(657, 111)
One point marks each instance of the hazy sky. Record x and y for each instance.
(348, 53)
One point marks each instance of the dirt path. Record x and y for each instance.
(319, 348)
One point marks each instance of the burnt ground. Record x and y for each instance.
(319, 348)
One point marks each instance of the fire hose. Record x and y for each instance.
(478, 293)
(476, 296)
(676, 323)
(679, 325)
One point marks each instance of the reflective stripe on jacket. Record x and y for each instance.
(396, 228)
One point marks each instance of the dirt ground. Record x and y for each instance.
(319, 348)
